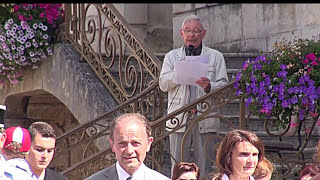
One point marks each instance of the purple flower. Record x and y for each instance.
(263, 58)
(281, 87)
(262, 91)
(259, 66)
(301, 114)
(311, 82)
(301, 80)
(254, 88)
(283, 67)
(248, 101)
(294, 99)
(253, 79)
(305, 100)
(282, 74)
(281, 97)
(285, 103)
(248, 89)
(238, 76)
(318, 90)
(239, 92)
(262, 83)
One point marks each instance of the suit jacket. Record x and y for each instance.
(52, 175)
(109, 173)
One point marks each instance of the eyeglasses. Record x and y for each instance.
(186, 179)
(188, 31)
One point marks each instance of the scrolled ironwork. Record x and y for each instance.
(85, 136)
(101, 45)
(158, 126)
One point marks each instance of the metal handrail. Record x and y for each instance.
(213, 100)
(95, 39)
(136, 88)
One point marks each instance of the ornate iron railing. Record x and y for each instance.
(287, 165)
(91, 137)
(211, 102)
(130, 77)
(122, 61)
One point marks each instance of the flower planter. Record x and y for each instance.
(285, 81)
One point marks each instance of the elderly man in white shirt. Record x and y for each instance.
(179, 95)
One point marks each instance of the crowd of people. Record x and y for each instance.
(26, 154)
(238, 156)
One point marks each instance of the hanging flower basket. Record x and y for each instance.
(27, 34)
(283, 83)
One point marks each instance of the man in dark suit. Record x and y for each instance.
(43, 142)
(130, 139)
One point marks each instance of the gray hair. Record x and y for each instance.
(138, 117)
(192, 17)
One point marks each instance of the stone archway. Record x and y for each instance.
(25, 108)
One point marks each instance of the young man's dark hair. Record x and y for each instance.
(43, 128)
(43, 142)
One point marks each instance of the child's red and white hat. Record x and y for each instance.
(20, 135)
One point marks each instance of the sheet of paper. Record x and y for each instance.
(202, 59)
(187, 72)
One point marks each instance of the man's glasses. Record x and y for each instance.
(188, 31)
(186, 179)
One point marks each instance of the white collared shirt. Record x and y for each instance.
(21, 168)
(143, 173)
(225, 177)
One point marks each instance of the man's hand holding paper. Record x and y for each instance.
(191, 70)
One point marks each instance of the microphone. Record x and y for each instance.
(190, 50)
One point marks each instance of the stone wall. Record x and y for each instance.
(249, 27)
(152, 22)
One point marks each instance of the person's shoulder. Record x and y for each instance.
(11, 172)
(173, 51)
(157, 175)
(111, 170)
(53, 174)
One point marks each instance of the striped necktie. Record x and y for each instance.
(129, 178)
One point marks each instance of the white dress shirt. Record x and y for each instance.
(143, 173)
(225, 177)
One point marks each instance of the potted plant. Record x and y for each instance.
(27, 34)
(283, 83)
